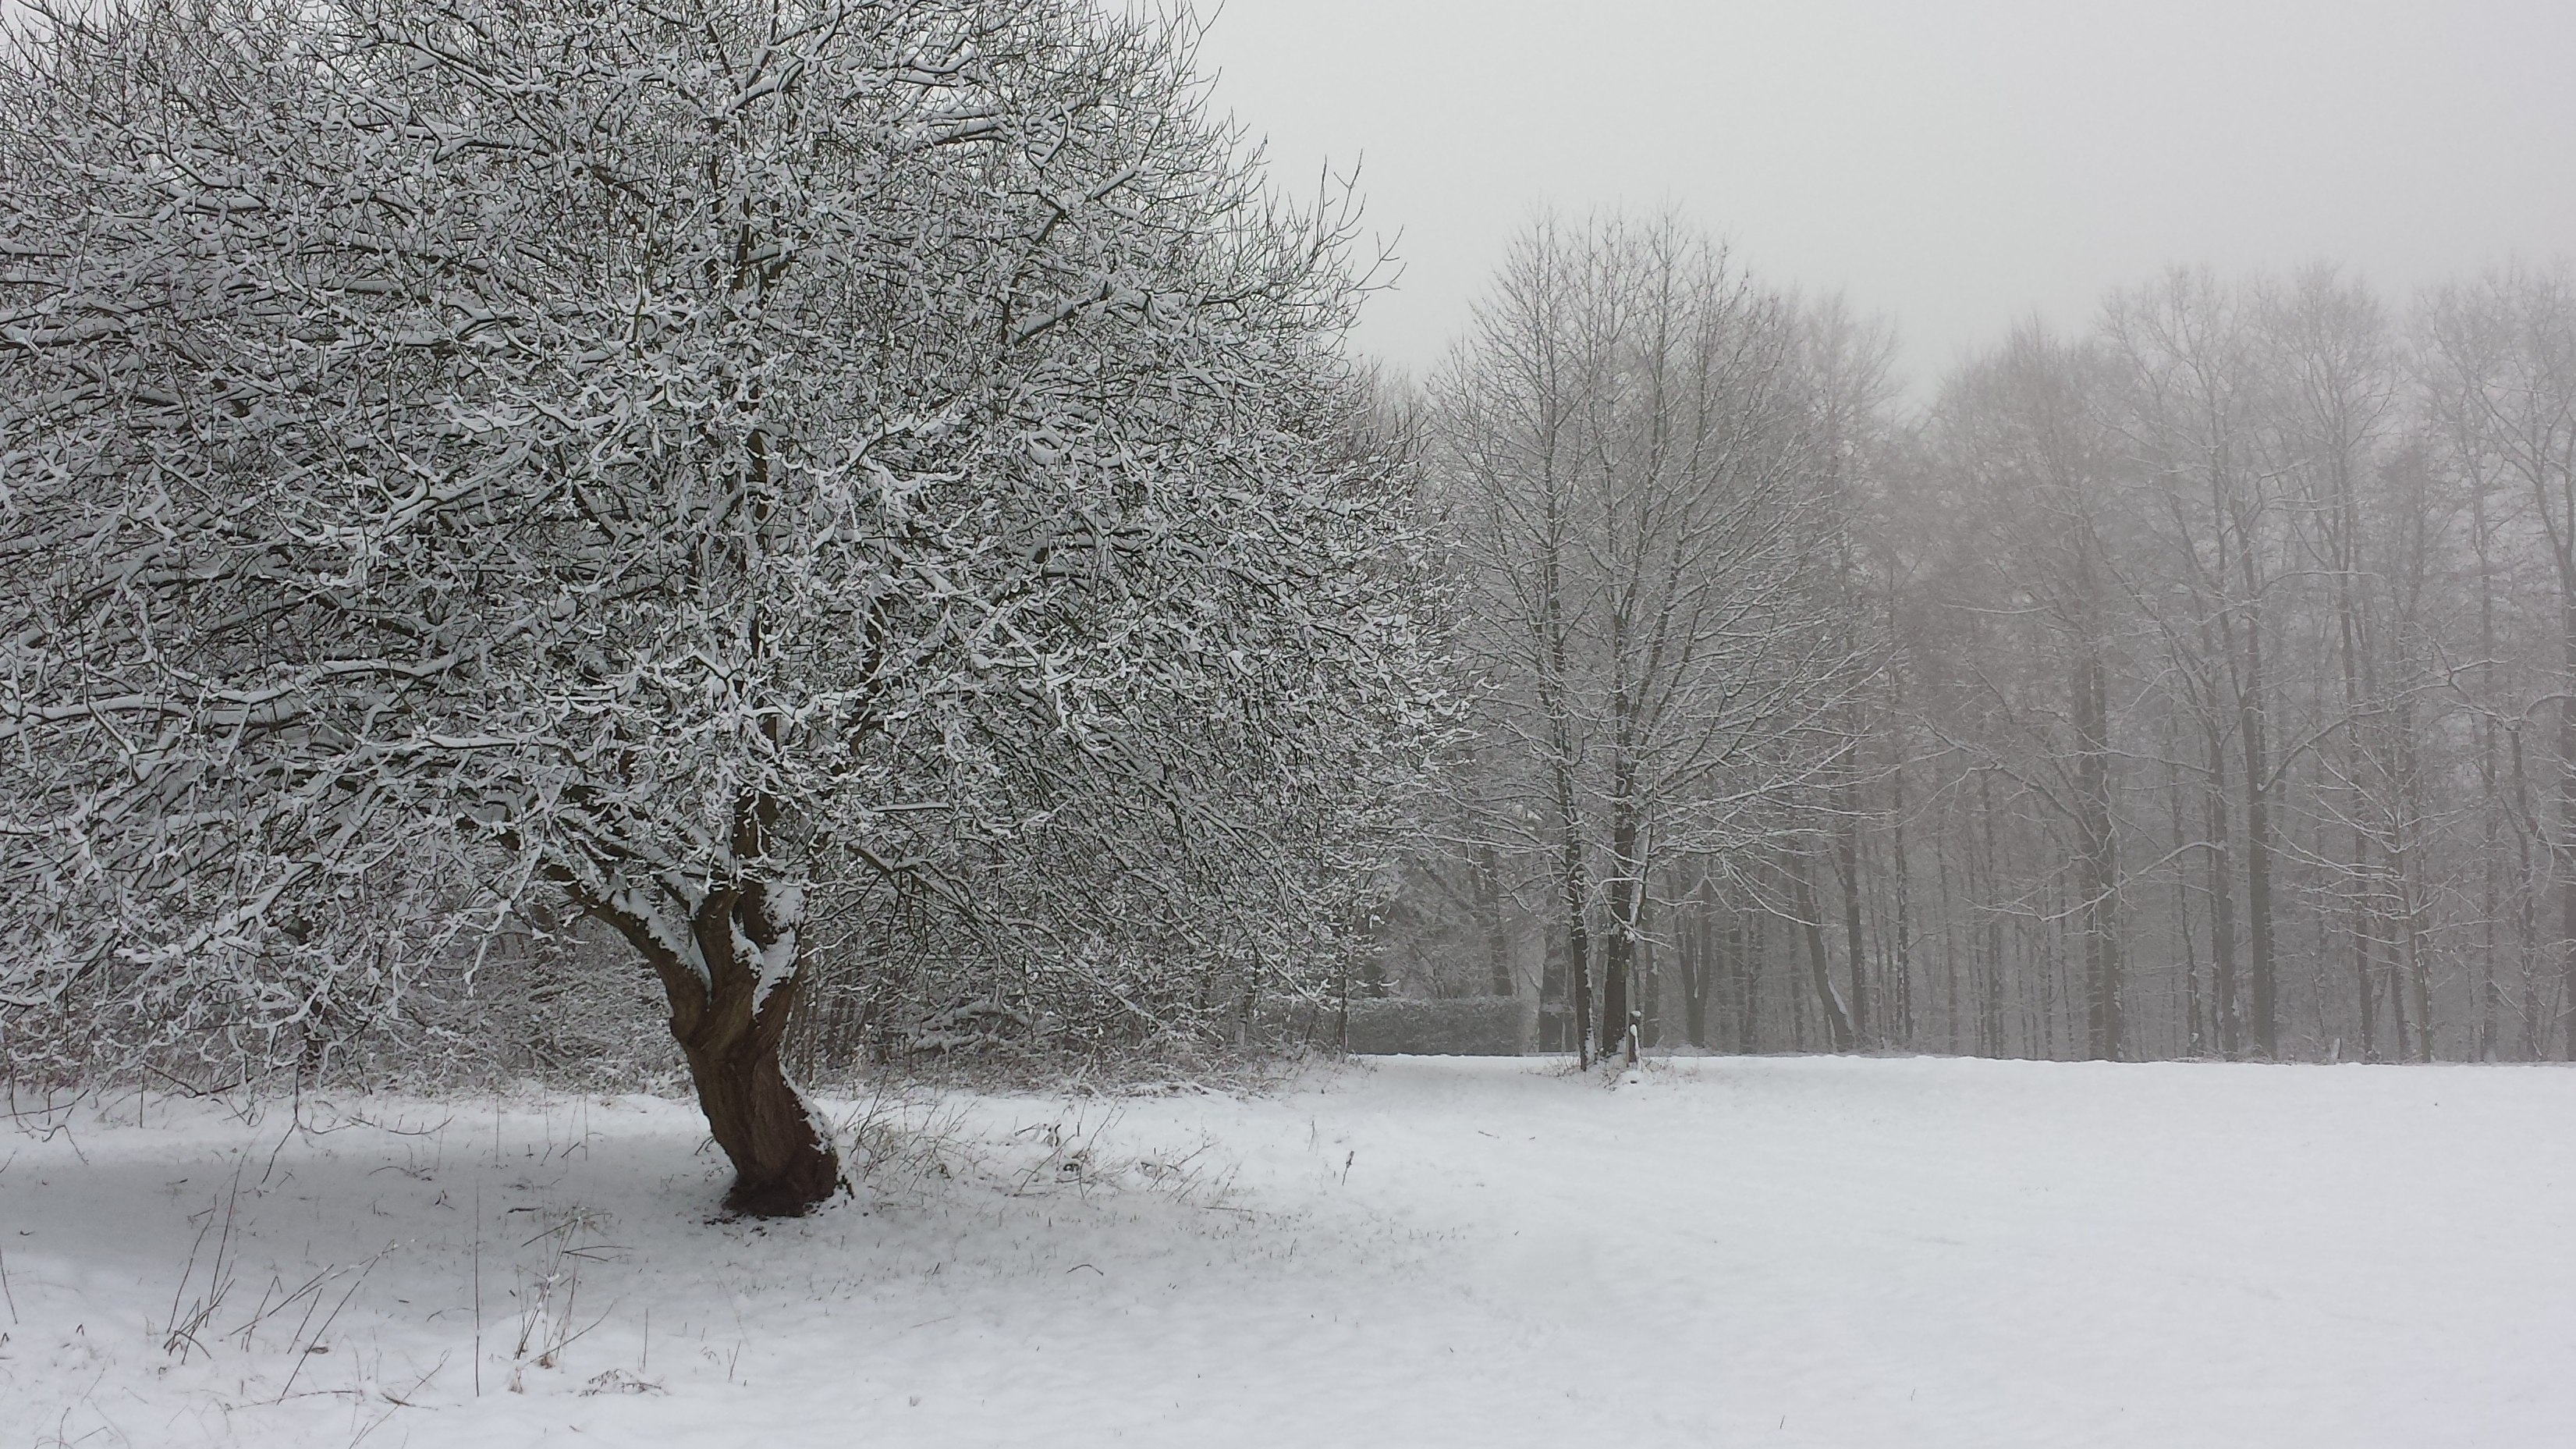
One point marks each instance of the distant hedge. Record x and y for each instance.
(1459, 1026)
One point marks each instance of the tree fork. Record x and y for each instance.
(729, 1033)
(782, 1166)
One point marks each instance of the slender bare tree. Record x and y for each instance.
(1629, 450)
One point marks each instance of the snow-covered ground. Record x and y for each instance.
(1727, 1251)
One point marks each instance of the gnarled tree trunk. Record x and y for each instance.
(728, 1023)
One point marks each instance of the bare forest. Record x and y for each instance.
(2190, 685)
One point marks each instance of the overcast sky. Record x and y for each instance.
(1953, 165)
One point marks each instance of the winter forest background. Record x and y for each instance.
(2195, 680)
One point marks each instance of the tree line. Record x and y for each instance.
(2194, 684)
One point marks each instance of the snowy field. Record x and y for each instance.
(1728, 1251)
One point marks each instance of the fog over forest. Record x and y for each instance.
(2183, 685)
(1958, 167)
(2258, 303)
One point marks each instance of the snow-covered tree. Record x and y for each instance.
(694, 460)
(1641, 509)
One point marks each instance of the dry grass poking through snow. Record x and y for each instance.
(1775, 1251)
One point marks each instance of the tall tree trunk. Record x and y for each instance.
(2490, 986)
(1748, 940)
(1847, 876)
(1797, 1001)
(1497, 924)
(1693, 941)
(1619, 952)
(2222, 902)
(2097, 864)
(2409, 983)
(2490, 815)
(1900, 974)
(2247, 668)
(2365, 985)
(2052, 962)
(1838, 1022)
(1992, 1016)
(1900, 882)
(1576, 890)
(2419, 971)
(2194, 1042)
(1578, 936)
(1646, 975)
(2258, 849)
(1951, 1004)
(2526, 902)
(2562, 857)
(2359, 731)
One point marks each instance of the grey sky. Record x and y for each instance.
(1955, 166)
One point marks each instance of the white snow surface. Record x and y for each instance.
(1786, 1251)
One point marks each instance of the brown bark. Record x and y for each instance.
(729, 1034)
(1838, 1024)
